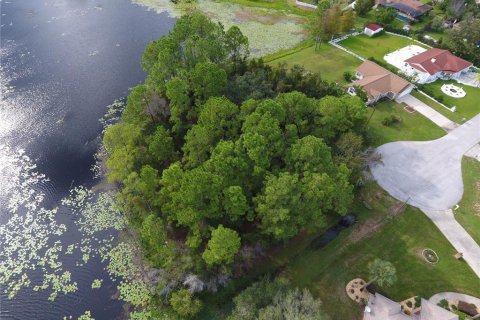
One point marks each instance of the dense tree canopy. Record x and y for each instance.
(215, 153)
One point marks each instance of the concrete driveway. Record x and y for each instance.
(427, 174)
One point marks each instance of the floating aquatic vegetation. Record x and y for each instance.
(113, 114)
(97, 283)
(58, 283)
(134, 288)
(86, 316)
(268, 31)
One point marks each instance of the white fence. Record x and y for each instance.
(304, 4)
(452, 109)
(407, 37)
(334, 42)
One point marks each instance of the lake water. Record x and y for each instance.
(62, 63)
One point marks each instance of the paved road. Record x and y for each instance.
(435, 116)
(454, 296)
(427, 174)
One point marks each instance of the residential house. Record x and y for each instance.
(382, 308)
(435, 63)
(372, 29)
(378, 83)
(408, 10)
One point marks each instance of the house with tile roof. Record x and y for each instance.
(382, 308)
(409, 9)
(436, 64)
(379, 83)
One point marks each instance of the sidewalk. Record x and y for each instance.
(458, 237)
(435, 116)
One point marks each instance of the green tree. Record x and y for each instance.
(222, 246)
(310, 154)
(381, 271)
(236, 45)
(160, 146)
(255, 297)
(385, 16)
(194, 39)
(184, 304)
(189, 198)
(348, 150)
(207, 80)
(181, 103)
(337, 115)
(277, 207)
(362, 7)
(160, 250)
(235, 203)
(220, 116)
(465, 37)
(293, 305)
(332, 17)
(347, 20)
(316, 26)
(218, 120)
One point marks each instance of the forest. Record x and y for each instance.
(218, 157)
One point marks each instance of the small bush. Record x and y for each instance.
(390, 120)
(418, 301)
(444, 304)
(347, 75)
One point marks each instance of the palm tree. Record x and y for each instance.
(381, 271)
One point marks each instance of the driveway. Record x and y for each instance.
(427, 174)
(434, 116)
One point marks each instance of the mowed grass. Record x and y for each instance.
(375, 47)
(454, 116)
(329, 61)
(412, 126)
(468, 214)
(400, 238)
(467, 107)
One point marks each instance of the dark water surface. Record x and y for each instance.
(62, 63)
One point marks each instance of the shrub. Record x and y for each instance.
(347, 75)
(184, 304)
(418, 301)
(444, 304)
(390, 120)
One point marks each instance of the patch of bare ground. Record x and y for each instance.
(372, 201)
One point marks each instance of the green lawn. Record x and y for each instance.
(375, 47)
(329, 61)
(413, 126)
(454, 116)
(468, 214)
(399, 240)
(467, 107)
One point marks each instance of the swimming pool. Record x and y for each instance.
(402, 18)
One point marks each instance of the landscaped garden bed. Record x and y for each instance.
(430, 256)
